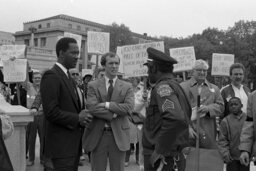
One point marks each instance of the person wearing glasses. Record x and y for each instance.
(211, 105)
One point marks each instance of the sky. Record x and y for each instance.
(173, 18)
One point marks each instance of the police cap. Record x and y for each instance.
(159, 57)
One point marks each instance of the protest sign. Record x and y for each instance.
(98, 42)
(87, 72)
(9, 51)
(221, 64)
(185, 57)
(15, 70)
(134, 56)
(94, 60)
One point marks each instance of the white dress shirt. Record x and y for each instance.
(240, 93)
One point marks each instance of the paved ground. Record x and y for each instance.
(132, 165)
(38, 167)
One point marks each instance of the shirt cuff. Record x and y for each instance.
(107, 105)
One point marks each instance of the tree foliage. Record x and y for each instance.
(119, 35)
(239, 40)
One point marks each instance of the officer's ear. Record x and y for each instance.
(154, 69)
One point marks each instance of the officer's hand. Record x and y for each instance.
(244, 158)
(228, 158)
(192, 133)
(154, 157)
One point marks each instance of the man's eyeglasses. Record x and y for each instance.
(75, 74)
(201, 70)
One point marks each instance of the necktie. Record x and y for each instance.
(110, 90)
(73, 86)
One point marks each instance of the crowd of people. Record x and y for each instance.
(108, 117)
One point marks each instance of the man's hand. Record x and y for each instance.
(244, 158)
(33, 112)
(85, 117)
(100, 105)
(203, 110)
(154, 157)
(192, 133)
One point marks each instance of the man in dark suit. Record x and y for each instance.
(109, 100)
(63, 115)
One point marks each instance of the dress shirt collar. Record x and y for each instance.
(235, 87)
(64, 69)
(193, 82)
(107, 80)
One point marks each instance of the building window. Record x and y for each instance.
(78, 27)
(48, 25)
(69, 25)
(39, 26)
(35, 42)
(43, 42)
(26, 42)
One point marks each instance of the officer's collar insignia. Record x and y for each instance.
(164, 90)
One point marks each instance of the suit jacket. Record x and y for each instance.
(5, 161)
(248, 134)
(122, 102)
(61, 109)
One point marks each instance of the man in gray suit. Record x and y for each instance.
(110, 101)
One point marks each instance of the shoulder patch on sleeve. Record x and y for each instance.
(164, 90)
(168, 104)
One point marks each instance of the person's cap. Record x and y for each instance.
(159, 57)
(201, 64)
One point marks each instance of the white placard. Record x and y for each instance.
(134, 56)
(15, 70)
(185, 57)
(98, 42)
(94, 59)
(221, 63)
(8, 51)
(86, 72)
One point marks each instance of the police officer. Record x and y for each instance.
(165, 131)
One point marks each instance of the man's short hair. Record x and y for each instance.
(201, 64)
(63, 44)
(235, 98)
(236, 65)
(104, 57)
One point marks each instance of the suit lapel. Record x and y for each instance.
(69, 85)
(117, 89)
(102, 89)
